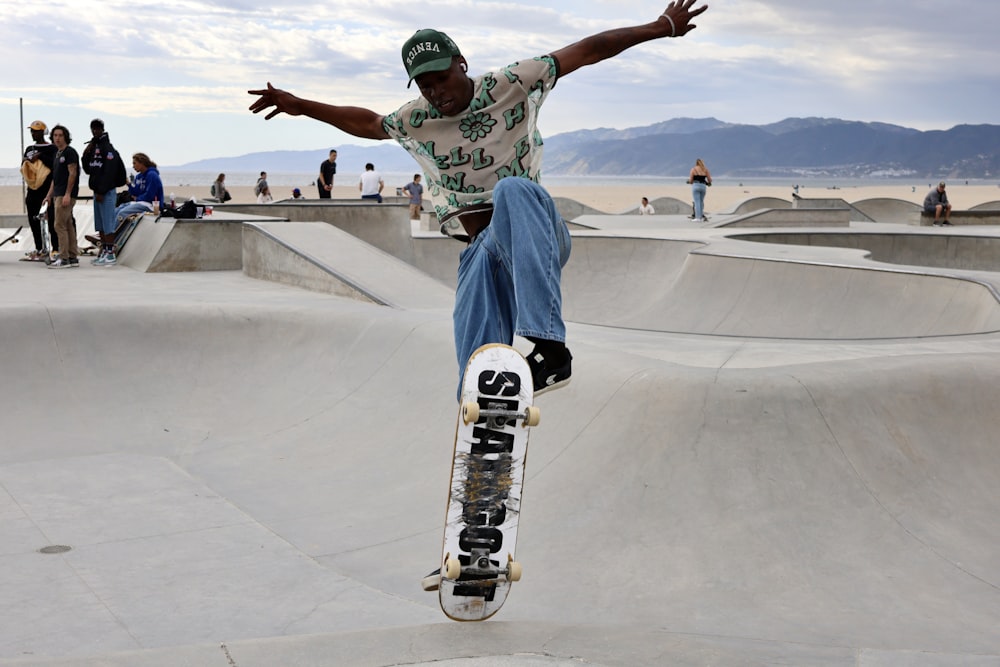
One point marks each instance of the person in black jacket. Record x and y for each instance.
(106, 169)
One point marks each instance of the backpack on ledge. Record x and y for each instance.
(187, 210)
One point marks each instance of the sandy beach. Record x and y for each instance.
(621, 198)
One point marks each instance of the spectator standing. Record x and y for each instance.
(327, 172)
(62, 195)
(645, 208)
(107, 171)
(39, 153)
(261, 186)
(371, 184)
(936, 202)
(415, 191)
(700, 179)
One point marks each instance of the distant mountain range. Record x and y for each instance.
(805, 147)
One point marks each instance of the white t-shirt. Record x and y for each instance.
(370, 181)
(646, 210)
(464, 156)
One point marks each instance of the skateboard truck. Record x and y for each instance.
(472, 412)
(480, 568)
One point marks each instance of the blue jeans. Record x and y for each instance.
(125, 210)
(104, 213)
(698, 191)
(509, 276)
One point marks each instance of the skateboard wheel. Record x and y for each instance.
(513, 571)
(470, 412)
(532, 416)
(452, 568)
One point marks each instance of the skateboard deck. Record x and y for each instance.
(127, 226)
(13, 237)
(487, 478)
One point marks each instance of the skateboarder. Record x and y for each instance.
(477, 141)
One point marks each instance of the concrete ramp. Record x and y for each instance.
(146, 242)
(170, 245)
(757, 204)
(271, 487)
(570, 209)
(764, 298)
(730, 288)
(964, 250)
(665, 206)
(887, 209)
(318, 256)
(770, 454)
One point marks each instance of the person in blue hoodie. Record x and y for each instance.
(146, 189)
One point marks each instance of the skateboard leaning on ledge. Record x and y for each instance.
(487, 478)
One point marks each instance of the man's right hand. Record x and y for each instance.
(358, 121)
(282, 101)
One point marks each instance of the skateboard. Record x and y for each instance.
(127, 226)
(12, 237)
(487, 478)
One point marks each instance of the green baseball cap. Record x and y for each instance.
(428, 51)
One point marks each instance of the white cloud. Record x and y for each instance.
(174, 75)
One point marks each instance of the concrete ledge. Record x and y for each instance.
(819, 202)
(324, 210)
(977, 217)
(792, 217)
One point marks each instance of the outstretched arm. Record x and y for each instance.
(358, 121)
(673, 22)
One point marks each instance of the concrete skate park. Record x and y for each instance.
(780, 445)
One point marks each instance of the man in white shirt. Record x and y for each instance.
(646, 208)
(371, 184)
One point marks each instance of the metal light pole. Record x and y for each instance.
(24, 205)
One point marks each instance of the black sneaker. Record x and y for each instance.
(74, 263)
(546, 378)
(946, 223)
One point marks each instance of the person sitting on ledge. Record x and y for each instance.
(936, 202)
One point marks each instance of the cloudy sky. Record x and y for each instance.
(170, 77)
